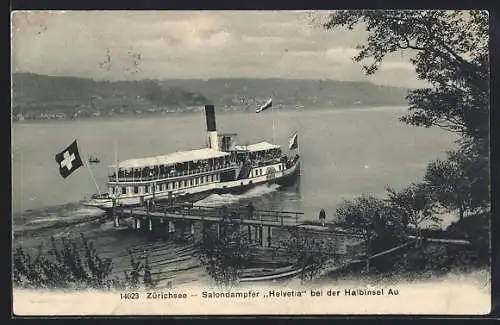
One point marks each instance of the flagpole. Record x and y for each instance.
(272, 110)
(90, 170)
(298, 146)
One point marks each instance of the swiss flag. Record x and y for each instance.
(69, 160)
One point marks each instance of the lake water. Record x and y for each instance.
(344, 152)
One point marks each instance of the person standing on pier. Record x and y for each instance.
(251, 210)
(322, 217)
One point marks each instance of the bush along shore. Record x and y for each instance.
(75, 265)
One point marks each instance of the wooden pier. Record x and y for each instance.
(174, 222)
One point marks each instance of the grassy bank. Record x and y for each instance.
(428, 260)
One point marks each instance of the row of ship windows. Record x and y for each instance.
(166, 186)
(258, 172)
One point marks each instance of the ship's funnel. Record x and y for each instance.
(213, 141)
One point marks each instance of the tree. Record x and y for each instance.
(414, 205)
(309, 254)
(457, 182)
(372, 218)
(450, 52)
(224, 256)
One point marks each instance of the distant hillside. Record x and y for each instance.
(41, 97)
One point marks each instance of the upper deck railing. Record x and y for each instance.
(192, 172)
(174, 175)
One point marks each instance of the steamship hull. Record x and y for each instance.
(285, 178)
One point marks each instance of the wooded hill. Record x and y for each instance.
(39, 96)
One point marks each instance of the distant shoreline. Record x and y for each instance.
(41, 97)
(232, 110)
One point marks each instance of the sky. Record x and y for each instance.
(194, 44)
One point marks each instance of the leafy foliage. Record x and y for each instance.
(308, 253)
(374, 219)
(414, 205)
(475, 228)
(224, 256)
(449, 50)
(74, 267)
(459, 182)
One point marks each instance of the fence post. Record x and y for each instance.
(269, 236)
(261, 241)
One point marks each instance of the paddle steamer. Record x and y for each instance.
(221, 167)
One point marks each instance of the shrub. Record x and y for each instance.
(224, 256)
(309, 254)
(70, 266)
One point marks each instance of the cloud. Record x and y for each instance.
(305, 54)
(402, 65)
(189, 44)
(262, 39)
(341, 54)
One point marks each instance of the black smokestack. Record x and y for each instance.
(210, 114)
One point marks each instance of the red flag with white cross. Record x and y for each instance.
(69, 160)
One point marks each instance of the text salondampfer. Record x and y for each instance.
(254, 294)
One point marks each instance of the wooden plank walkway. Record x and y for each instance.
(266, 218)
(217, 215)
